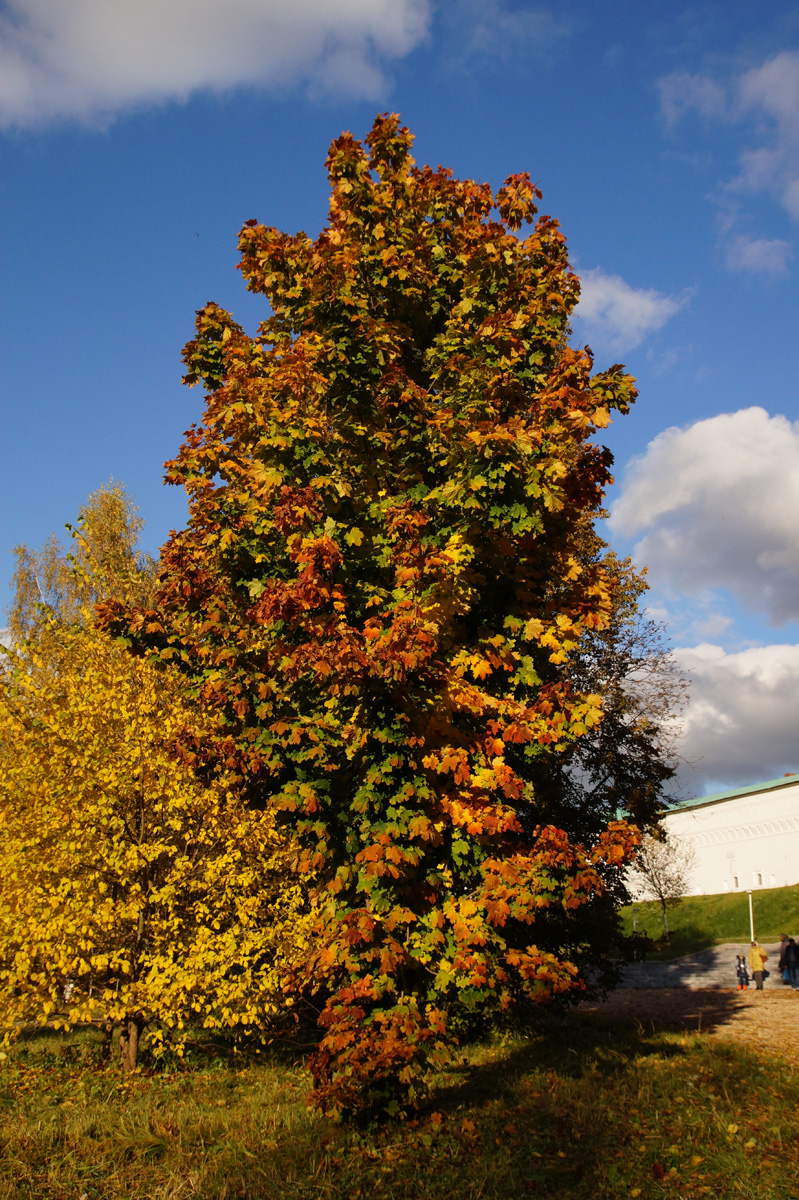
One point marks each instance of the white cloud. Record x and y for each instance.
(717, 504)
(491, 29)
(767, 97)
(620, 316)
(767, 256)
(740, 725)
(773, 90)
(681, 93)
(89, 59)
(712, 625)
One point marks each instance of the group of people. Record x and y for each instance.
(788, 965)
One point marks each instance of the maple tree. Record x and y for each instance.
(379, 587)
(137, 890)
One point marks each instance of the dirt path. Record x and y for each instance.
(767, 1021)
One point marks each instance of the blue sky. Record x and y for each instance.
(135, 140)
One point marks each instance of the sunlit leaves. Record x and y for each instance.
(378, 591)
(132, 891)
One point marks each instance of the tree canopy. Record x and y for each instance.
(59, 587)
(380, 586)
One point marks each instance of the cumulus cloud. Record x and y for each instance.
(89, 59)
(619, 316)
(717, 505)
(740, 726)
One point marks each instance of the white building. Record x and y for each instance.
(745, 838)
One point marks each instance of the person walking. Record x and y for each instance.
(790, 957)
(757, 961)
(781, 967)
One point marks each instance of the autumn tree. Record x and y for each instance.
(378, 587)
(136, 889)
(57, 586)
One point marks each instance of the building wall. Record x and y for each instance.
(743, 840)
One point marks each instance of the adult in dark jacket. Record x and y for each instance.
(790, 956)
(784, 939)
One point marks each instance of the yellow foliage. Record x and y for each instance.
(131, 889)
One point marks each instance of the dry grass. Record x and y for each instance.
(588, 1107)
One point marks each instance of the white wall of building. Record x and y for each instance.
(743, 839)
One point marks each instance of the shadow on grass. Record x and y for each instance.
(676, 1009)
(687, 938)
(610, 1036)
(572, 1045)
(200, 1050)
(287, 1045)
(43, 1046)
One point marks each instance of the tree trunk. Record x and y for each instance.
(665, 921)
(105, 1044)
(129, 1033)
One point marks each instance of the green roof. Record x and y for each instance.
(750, 789)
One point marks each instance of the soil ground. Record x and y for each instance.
(767, 1021)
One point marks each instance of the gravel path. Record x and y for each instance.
(698, 993)
(767, 1021)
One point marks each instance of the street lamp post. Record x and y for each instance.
(751, 918)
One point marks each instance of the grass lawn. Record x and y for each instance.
(701, 921)
(584, 1109)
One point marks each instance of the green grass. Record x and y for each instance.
(583, 1109)
(698, 922)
